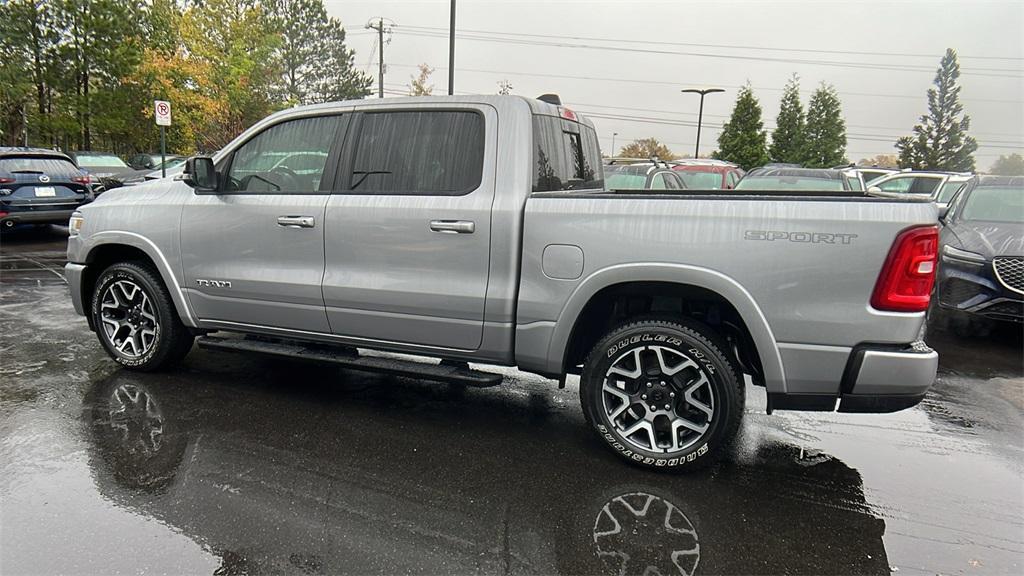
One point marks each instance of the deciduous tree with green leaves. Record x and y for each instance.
(940, 141)
(825, 139)
(1012, 165)
(743, 138)
(646, 148)
(790, 126)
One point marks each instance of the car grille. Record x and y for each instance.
(955, 291)
(1010, 271)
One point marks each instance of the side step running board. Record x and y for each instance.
(444, 372)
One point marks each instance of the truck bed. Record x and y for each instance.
(804, 266)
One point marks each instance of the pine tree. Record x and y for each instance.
(743, 137)
(825, 144)
(940, 141)
(318, 67)
(790, 126)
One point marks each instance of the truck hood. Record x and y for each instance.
(990, 239)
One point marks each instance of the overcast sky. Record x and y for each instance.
(880, 56)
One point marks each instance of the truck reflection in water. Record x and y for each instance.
(382, 475)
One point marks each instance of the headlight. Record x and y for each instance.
(950, 253)
(75, 224)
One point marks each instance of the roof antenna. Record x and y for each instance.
(550, 99)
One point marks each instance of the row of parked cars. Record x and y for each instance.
(709, 174)
(981, 270)
(41, 186)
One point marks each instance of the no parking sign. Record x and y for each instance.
(163, 112)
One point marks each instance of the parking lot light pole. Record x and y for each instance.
(614, 134)
(700, 115)
(451, 51)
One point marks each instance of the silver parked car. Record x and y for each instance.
(939, 187)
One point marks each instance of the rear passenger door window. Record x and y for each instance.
(289, 157)
(430, 153)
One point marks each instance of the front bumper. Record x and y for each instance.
(974, 288)
(878, 378)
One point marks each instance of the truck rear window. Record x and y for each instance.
(565, 155)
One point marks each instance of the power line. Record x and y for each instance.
(699, 45)
(726, 116)
(990, 72)
(677, 84)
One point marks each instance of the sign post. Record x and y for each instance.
(162, 110)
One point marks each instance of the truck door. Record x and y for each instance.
(253, 253)
(408, 228)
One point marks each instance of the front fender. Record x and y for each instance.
(91, 245)
(732, 291)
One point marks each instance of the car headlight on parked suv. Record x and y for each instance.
(950, 253)
(75, 224)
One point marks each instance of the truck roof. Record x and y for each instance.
(496, 100)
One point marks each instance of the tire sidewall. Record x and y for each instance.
(117, 273)
(720, 374)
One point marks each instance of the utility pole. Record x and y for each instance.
(379, 26)
(451, 51)
(614, 134)
(700, 115)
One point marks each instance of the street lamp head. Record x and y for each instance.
(701, 91)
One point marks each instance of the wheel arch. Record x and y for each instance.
(111, 247)
(592, 306)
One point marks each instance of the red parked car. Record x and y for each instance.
(708, 174)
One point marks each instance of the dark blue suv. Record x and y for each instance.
(40, 186)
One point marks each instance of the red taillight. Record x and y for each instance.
(567, 114)
(81, 179)
(6, 180)
(905, 283)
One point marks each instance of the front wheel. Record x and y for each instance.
(135, 318)
(662, 394)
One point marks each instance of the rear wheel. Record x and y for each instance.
(662, 394)
(135, 318)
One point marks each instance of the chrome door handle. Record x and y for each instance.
(296, 221)
(453, 226)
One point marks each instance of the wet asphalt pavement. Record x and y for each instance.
(243, 465)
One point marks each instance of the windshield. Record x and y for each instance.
(995, 204)
(171, 163)
(626, 176)
(700, 180)
(90, 160)
(788, 183)
(50, 166)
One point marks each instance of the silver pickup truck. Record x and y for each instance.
(478, 229)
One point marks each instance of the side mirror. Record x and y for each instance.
(943, 210)
(200, 174)
(874, 189)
